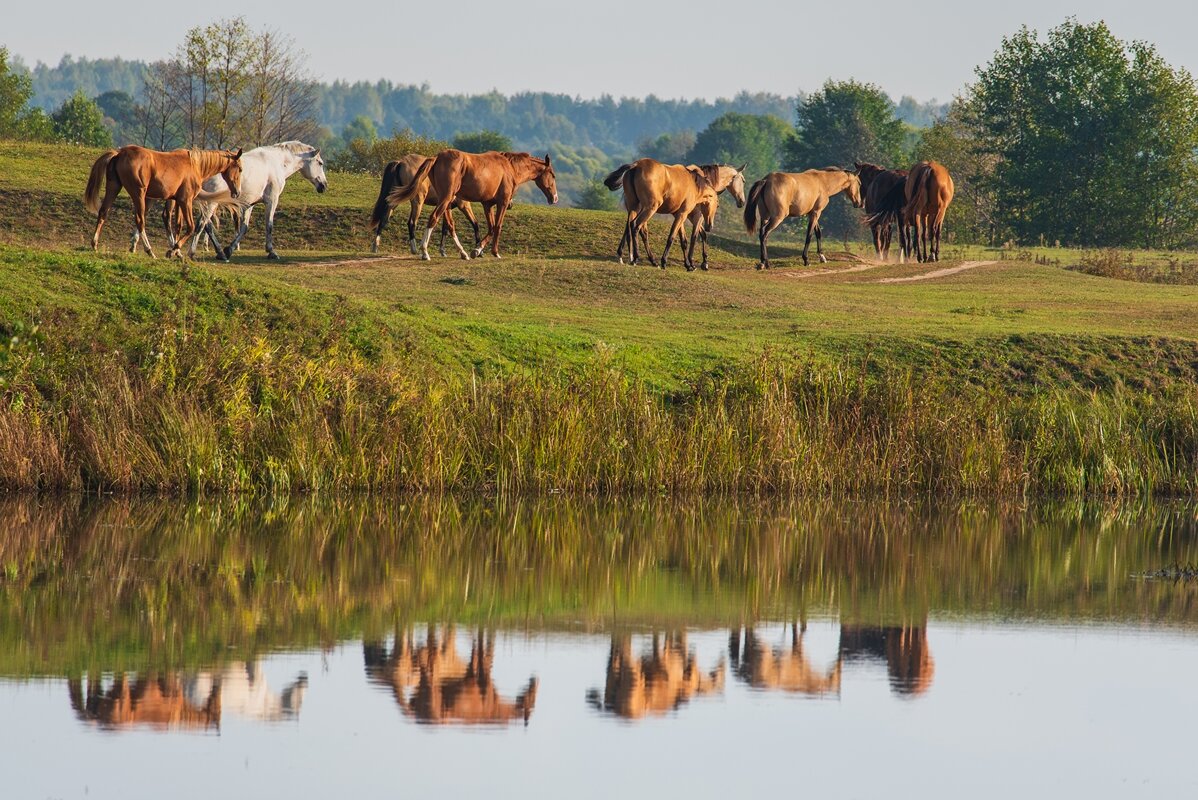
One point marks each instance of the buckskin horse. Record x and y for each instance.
(155, 175)
(487, 178)
(651, 187)
(781, 195)
(401, 173)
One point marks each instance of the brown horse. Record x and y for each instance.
(784, 669)
(154, 700)
(877, 184)
(929, 192)
(909, 662)
(702, 218)
(781, 195)
(651, 187)
(154, 175)
(487, 178)
(401, 173)
(656, 682)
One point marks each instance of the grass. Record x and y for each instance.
(558, 369)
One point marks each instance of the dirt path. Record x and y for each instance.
(818, 272)
(939, 273)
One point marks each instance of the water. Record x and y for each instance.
(557, 648)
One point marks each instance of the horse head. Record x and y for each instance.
(854, 189)
(547, 182)
(737, 186)
(313, 170)
(232, 173)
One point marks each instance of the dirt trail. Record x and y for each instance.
(939, 273)
(818, 272)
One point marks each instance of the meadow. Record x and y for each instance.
(557, 369)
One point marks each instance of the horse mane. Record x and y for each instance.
(204, 160)
(294, 146)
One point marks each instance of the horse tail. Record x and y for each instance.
(890, 206)
(402, 193)
(615, 179)
(91, 195)
(382, 206)
(751, 206)
(919, 194)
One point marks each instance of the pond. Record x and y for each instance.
(313, 648)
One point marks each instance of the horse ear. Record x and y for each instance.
(546, 159)
(237, 155)
(741, 168)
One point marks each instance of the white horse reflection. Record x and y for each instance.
(244, 691)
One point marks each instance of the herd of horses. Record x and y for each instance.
(432, 683)
(913, 200)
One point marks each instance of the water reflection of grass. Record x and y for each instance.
(131, 584)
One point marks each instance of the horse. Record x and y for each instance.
(702, 218)
(904, 648)
(656, 682)
(929, 192)
(649, 184)
(401, 173)
(156, 175)
(780, 195)
(784, 669)
(877, 184)
(489, 178)
(264, 175)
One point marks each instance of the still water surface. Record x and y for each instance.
(555, 648)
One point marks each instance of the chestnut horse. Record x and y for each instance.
(929, 192)
(488, 178)
(155, 175)
(651, 187)
(876, 186)
(401, 173)
(781, 195)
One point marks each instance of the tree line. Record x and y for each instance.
(1073, 137)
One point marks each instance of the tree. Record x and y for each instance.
(483, 142)
(120, 115)
(1095, 139)
(956, 142)
(595, 196)
(668, 148)
(79, 121)
(758, 140)
(371, 155)
(844, 122)
(17, 119)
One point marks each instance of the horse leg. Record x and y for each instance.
(638, 229)
(227, 253)
(414, 209)
(819, 243)
(807, 243)
(205, 228)
(272, 204)
(490, 213)
(468, 213)
(187, 228)
(111, 189)
(624, 239)
(768, 226)
(703, 239)
(139, 219)
(677, 223)
(447, 218)
(500, 215)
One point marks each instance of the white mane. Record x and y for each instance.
(296, 147)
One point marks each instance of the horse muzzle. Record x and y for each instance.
(321, 187)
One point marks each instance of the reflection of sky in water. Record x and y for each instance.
(1098, 711)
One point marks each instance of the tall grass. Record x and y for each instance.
(235, 412)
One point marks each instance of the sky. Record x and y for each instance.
(924, 48)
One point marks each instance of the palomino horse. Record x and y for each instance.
(780, 195)
(154, 175)
(433, 684)
(877, 184)
(401, 173)
(657, 682)
(487, 178)
(264, 174)
(651, 187)
(929, 192)
(784, 669)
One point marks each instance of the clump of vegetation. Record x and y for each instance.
(1145, 267)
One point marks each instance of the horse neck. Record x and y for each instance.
(292, 162)
(836, 182)
(209, 162)
(722, 179)
(527, 168)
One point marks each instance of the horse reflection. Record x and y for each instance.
(180, 701)
(904, 649)
(784, 669)
(662, 680)
(153, 700)
(433, 684)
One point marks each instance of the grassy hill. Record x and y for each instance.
(556, 312)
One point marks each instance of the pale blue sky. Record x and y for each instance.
(701, 48)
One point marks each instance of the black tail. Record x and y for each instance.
(381, 206)
(401, 193)
(751, 206)
(614, 180)
(890, 206)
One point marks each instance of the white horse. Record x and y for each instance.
(264, 174)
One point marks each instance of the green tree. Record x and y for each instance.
(17, 119)
(844, 122)
(120, 115)
(668, 148)
(79, 121)
(757, 140)
(360, 127)
(483, 142)
(595, 196)
(370, 156)
(956, 141)
(1095, 138)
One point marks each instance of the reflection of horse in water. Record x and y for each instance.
(659, 681)
(174, 700)
(785, 669)
(158, 701)
(432, 683)
(904, 649)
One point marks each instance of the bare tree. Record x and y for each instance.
(282, 96)
(158, 113)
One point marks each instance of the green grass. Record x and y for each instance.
(301, 374)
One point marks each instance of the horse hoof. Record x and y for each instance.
(478, 253)
(823, 259)
(272, 256)
(425, 257)
(703, 266)
(465, 256)
(760, 266)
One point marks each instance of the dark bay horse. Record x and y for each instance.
(881, 210)
(401, 173)
(488, 178)
(929, 192)
(155, 175)
(780, 195)
(651, 187)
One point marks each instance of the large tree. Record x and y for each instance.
(956, 142)
(17, 119)
(844, 122)
(79, 121)
(1095, 139)
(483, 142)
(757, 140)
